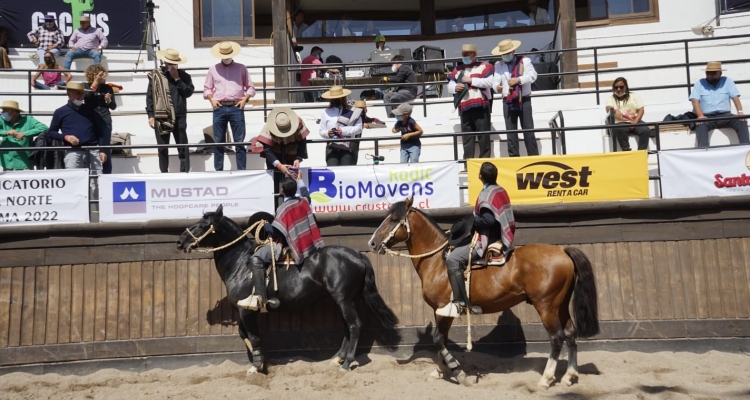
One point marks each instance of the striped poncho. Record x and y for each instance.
(474, 97)
(295, 221)
(496, 199)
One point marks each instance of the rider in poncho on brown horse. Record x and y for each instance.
(493, 221)
(294, 226)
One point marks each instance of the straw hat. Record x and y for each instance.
(225, 50)
(11, 104)
(336, 92)
(283, 122)
(713, 66)
(171, 56)
(506, 46)
(360, 104)
(84, 18)
(469, 47)
(75, 86)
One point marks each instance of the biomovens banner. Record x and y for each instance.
(376, 187)
(45, 197)
(143, 197)
(718, 171)
(567, 178)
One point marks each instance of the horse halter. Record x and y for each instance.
(197, 240)
(403, 222)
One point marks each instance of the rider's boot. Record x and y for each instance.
(260, 297)
(460, 301)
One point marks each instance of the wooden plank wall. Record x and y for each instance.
(60, 304)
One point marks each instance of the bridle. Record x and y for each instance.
(197, 240)
(405, 223)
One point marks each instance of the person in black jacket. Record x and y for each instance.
(102, 97)
(402, 94)
(180, 88)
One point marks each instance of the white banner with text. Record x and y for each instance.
(719, 171)
(44, 197)
(368, 188)
(143, 197)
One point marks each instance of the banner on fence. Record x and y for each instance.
(568, 178)
(120, 21)
(722, 171)
(368, 188)
(143, 197)
(44, 197)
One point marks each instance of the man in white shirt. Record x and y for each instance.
(537, 16)
(513, 78)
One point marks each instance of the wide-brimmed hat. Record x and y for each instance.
(713, 66)
(11, 104)
(461, 231)
(171, 56)
(379, 38)
(258, 216)
(506, 46)
(468, 47)
(360, 104)
(336, 92)
(75, 86)
(403, 108)
(225, 50)
(84, 18)
(50, 16)
(283, 122)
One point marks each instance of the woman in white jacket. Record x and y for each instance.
(339, 121)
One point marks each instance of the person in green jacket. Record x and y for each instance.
(17, 130)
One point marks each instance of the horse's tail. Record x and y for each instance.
(371, 296)
(585, 308)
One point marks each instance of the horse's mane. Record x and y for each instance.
(399, 211)
(229, 226)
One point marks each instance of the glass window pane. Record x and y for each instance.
(508, 20)
(207, 15)
(598, 8)
(620, 7)
(247, 20)
(640, 6)
(225, 18)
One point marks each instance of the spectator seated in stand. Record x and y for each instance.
(411, 146)
(17, 130)
(628, 109)
(86, 41)
(47, 38)
(52, 80)
(712, 98)
(402, 94)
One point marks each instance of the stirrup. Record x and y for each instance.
(252, 303)
(450, 310)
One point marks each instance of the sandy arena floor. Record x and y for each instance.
(628, 375)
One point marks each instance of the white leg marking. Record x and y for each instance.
(253, 370)
(549, 373)
(336, 361)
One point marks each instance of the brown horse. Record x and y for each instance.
(546, 276)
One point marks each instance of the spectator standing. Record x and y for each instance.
(52, 80)
(167, 86)
(102, 97)
(17, 130)
(470, 84)
(282, 142)
(228, 87)
(712, 98)
(629, 110)
(299, 25)
(404, 74)
(513, 78)
(537, 16)
(47, 38)
(310, 73)
(411, 146)
(86, 41)
(340, 121)
(79, 124)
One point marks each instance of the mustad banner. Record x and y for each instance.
(144, 197)
(44, 197)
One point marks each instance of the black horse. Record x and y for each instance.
(339, 271)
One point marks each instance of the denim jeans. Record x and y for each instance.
(80, 53)
(235, 117)
(77, 159)
(702, 130)
(42, 86)
(40, 54)
(410, 153)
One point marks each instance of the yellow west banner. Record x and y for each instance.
(568, 178)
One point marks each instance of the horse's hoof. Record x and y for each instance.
(436, 374)
(569, 379)
(344, 369)
(462, 378)
(545, 382)
(253, 370)
(336, 361)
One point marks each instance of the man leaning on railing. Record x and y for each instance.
(711, 99)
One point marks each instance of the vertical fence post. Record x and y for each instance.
(28, 90)
(455, 148)
(377, 152)
(596, 74)
(424, 87)
(687, 65)
(658, 160)
(265, 94)
(187, 158)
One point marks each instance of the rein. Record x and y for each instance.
(257, 226)
(405, 222)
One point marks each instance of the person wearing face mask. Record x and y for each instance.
(228, 87)
(340, 121)
(411, 146)
(102, 98)
(628, 109)
(52, 80)
(169, 85)
(513, 78)
(310, 72)
(712, 98)
(404, 74)
(46, 38)
(17, 130)
(78, 124)
(86, 41)
(470, 84)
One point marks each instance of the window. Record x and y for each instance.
(616, 10)
(348, 27)
(734, 6)
(245, 20)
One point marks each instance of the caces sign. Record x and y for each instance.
(120, 21)
(568, 178)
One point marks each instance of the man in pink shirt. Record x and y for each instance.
(228, 87)
(86, 41)
(307, 74)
